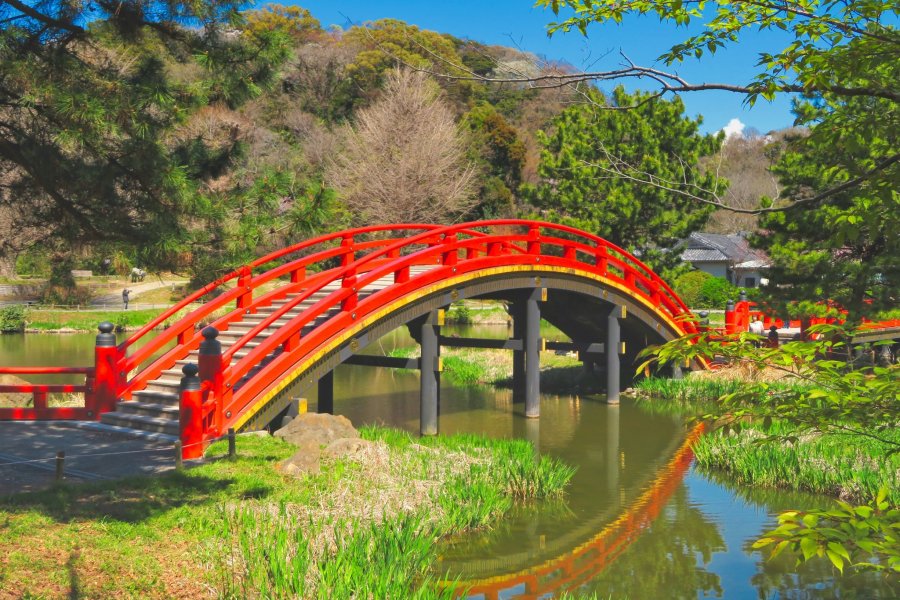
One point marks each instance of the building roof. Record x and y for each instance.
(733, 249)
(703, 255)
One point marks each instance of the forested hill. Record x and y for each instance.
(195, 150)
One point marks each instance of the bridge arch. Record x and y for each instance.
(562, 288)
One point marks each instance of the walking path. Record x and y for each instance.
(28, 455)
(115, 298)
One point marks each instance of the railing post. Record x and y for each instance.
(730, 318)
(655, 295)
(401, 275)
(107, 376)
(246, 298)
(347, 244)
(298, 274)
(349, 282)
(211, 370)
(451, 256)
(534, 243)
(191, 413)
(603, 259)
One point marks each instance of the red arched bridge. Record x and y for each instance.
(289, 318)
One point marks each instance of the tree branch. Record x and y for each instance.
(48, 20)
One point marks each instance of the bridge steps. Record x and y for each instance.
(155, 408)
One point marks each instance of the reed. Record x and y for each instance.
(851, 467)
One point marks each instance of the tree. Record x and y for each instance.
(404, 159)
(295, 21)
(746, 161)
(500, 156)
(584, 184)
(90, 94)
(844, 249)
(386, 44)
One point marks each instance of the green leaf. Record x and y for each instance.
(836, 560)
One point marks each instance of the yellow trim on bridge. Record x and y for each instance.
(427, 291)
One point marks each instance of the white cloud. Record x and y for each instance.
(734, 127)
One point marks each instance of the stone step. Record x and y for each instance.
(159, 411)
(167, 385)
(155, 397)
(146, 423)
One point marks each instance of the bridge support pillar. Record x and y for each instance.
(518, 316)
(430, 375)
(532, 343)
(326, 393)
(614, 347)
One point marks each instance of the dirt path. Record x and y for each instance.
(114, 298)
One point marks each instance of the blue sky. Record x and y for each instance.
(518, 23)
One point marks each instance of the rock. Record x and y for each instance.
(258, 433)
(305, 459)
(345, 446)
(319, 428)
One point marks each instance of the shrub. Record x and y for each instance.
(715, 292)
(12, 319)
(460, 314)
(689, 285)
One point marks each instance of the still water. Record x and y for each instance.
(638, 521)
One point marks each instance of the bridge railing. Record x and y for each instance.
(40, 408)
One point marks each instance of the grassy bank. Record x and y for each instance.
(48, 320)
(850, 467)
(365, 526)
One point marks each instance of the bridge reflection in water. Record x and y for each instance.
(584, 561)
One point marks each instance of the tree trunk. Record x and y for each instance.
(8, 263)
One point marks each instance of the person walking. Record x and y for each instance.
(125, 293)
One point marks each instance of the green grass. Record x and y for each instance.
(471, 366)
(242, 528)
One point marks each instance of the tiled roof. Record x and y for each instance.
(702, 255)
(714, 247)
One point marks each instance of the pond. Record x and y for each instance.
(638, 520)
